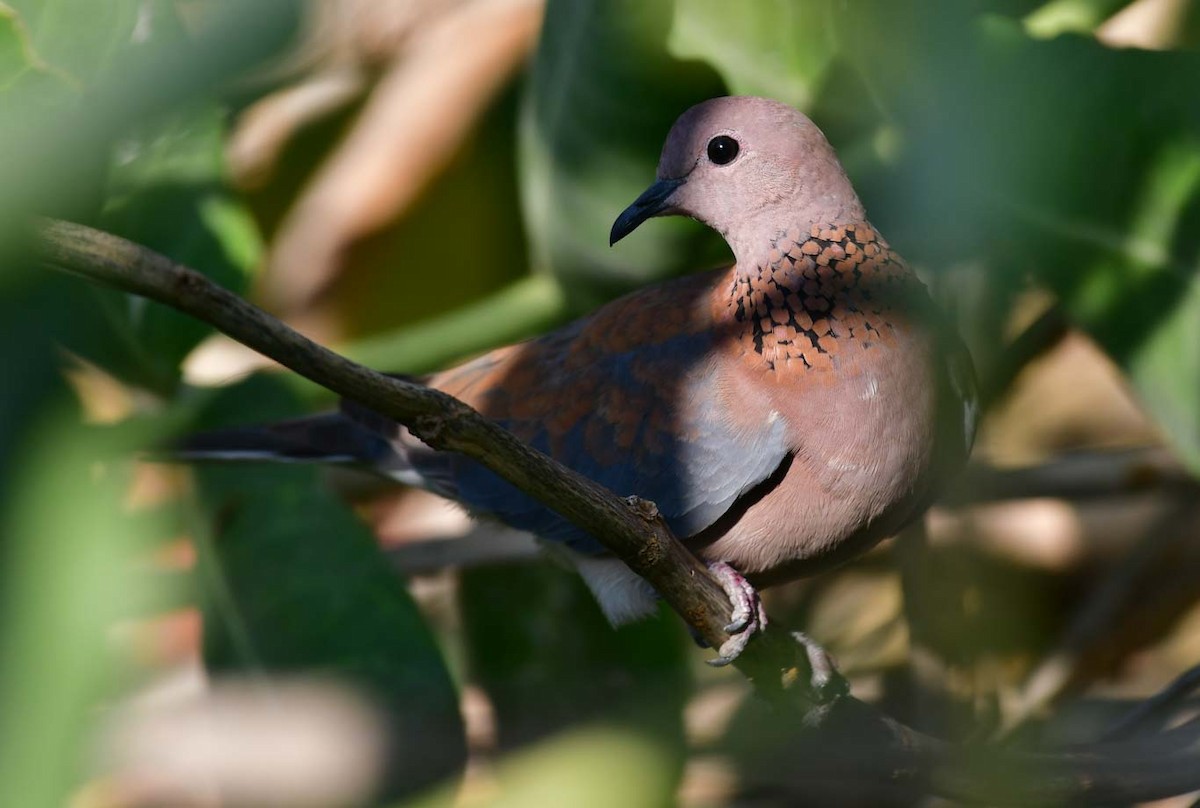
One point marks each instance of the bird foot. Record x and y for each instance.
(827, 683)
(748, 617)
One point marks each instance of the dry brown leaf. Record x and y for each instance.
(415, 121)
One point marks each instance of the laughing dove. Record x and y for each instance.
(785, 413)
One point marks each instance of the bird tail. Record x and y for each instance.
(334, 438)
(325, 438)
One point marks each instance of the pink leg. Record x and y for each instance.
(827, 682)
(748, 618)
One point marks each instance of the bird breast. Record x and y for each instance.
(828, 335)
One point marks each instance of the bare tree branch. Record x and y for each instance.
(487, 544)
(1158, 707)
(856, 740)
(1039, 337)
(630, 528)
(1055, 673)
(1080, 475)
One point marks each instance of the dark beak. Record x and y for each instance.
(652, 202)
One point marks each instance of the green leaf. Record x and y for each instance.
(16, 50)
(166, 192)
(54, 161)
(27, 82)
(1071, 16)
(50, 50)
(548, 659)
(603, 93)
(774, 48)
(81, 38)
(526, 308)
(68, 575)
(1141, 297)
(34, 315)
(184, 148)
(1164, 367)
(295, 584)
(1028, 154)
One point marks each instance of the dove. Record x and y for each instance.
(785, 413)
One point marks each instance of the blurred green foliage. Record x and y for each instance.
(327, 605)
(999, 136)
(602, 94)
(68, 576)
(595, 766)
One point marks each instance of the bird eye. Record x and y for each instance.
(722, 149)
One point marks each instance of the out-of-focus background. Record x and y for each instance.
(414, 181)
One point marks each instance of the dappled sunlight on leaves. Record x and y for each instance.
(419, 182)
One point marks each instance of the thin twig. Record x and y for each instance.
(862, 742)
(1095, 618)
(1156, 708)
(1081, 475)
(487, 544)
(1040, 336)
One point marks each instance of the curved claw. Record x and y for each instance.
(748, 617)
(730, 650)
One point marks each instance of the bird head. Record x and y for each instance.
(748, 168)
